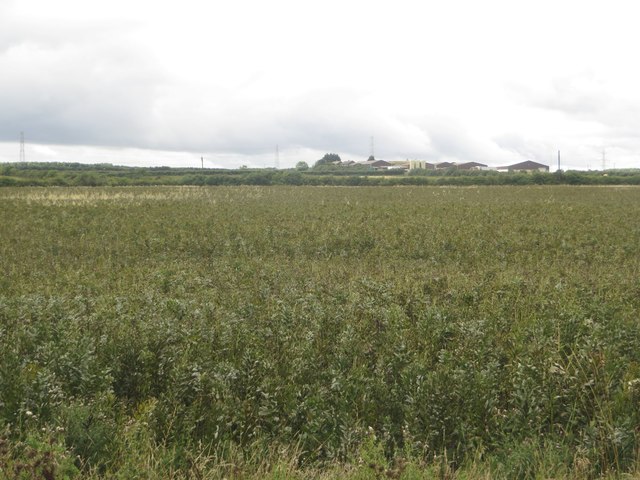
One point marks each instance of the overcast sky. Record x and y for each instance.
(135, 82)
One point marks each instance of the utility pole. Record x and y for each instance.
(202, 162)
(558, 160)
(23, 157)
(372, 152)
(604, 160)
(277, 157)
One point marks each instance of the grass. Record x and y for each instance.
(327, 332)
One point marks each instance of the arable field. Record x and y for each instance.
(329, 332)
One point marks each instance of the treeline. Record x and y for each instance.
(75, 174)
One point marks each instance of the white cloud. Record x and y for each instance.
(465, 80)
(588, 115)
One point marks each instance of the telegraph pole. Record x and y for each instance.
(23, 157)
(277, 157)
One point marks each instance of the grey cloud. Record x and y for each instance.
(578, 95)
(101, 91)
(348, 120)
(87, 88)
(52, 37)
(339, 120)
(93, 87)
(610, 121)
(452, 141)
(524, 148)
(583, 97)
(85, 84)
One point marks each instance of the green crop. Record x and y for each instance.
(370, 332)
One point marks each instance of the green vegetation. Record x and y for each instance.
(325, 172)
(319, 332)
(328, 159)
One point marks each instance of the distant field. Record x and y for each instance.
(369, 332)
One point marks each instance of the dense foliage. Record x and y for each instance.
(328, 158)
(220, 331)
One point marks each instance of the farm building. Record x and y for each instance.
(420, 165)
(377, 164)
(444, 165)
(472, 166)
(528, 166)
(398, 165)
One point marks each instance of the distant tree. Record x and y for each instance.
(328, 159)
(301, 166)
